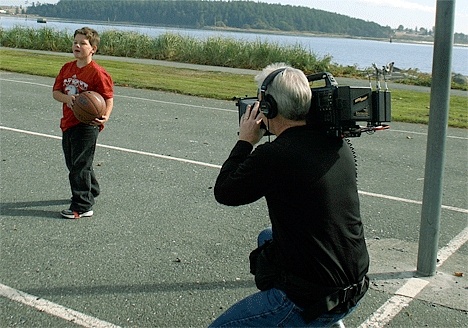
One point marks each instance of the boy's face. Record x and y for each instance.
(82, 49)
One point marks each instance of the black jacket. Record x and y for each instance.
(309, 182)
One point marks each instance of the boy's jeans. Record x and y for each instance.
(79, 145)
(271, 308)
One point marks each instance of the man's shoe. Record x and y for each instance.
(338, 324)
(69, 214)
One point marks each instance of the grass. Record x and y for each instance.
(407, 106)
(183, 81)
(215, 51)
(413, 107)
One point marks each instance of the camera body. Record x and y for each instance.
(336, 110)
(242, 104)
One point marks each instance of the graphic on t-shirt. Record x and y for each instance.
(71, 90)
(74, 86)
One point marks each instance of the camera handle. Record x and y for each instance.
(328, 77)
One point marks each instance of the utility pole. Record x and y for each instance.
(437, 132)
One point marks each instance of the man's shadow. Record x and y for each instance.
(32, 208)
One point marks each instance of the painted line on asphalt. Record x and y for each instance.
(395, 304)
(382, 316)
(216, 166)
(444, 253)
(126, 150)
(389, 309)
(177, 159)
(53, 309)
(411, 288)
(175, 103)
(425, 134)
(116, 95)
(205, 107)
(31, 133)
(405, 200)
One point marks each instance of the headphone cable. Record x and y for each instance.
(268, 130)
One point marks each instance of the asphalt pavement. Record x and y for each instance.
(160, 252)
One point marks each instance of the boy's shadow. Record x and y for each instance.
(29, 208)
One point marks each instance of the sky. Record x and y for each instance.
(409, 13)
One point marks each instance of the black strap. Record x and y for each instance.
(348, 297)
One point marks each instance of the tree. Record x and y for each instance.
(196, 14)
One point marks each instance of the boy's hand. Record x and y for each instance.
(71, 101)
(100, 121)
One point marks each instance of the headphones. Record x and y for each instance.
(268, 105)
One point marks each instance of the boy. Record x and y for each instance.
(79, 139)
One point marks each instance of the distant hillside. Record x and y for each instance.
(205, 14)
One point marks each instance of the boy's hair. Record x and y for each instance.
(290, 89)
(90, 34)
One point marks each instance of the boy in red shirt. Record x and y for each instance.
(79, 139)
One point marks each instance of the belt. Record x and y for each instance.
(339, 301)
(353, 290)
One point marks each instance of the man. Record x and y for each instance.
(311, 271)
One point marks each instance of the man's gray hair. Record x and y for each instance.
(290, 89)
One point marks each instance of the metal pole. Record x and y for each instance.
(437, 131)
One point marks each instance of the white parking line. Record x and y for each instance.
(382, 316)
(395, 304)
(405, 200)
(203, 107)
(425, 134)
(53, 309)
(444, 253)
(133, 97)
(411, 288)
(127, 150)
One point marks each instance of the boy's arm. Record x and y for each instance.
(63, 98)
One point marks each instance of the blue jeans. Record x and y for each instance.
(271, 308)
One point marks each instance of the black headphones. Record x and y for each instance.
(268, 105)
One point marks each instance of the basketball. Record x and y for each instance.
(88, 106)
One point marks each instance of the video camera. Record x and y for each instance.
(336, 110)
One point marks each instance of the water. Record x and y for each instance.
(361, 53)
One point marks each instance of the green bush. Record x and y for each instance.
(214, 51)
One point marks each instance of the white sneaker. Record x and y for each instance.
(338, 324)
(69, 214)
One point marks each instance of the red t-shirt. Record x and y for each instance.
(74, 80)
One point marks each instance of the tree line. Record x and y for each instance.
(205, 14)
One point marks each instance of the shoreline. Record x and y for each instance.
(325, 35)
(233, 29)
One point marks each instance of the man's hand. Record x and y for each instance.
(249, 126)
